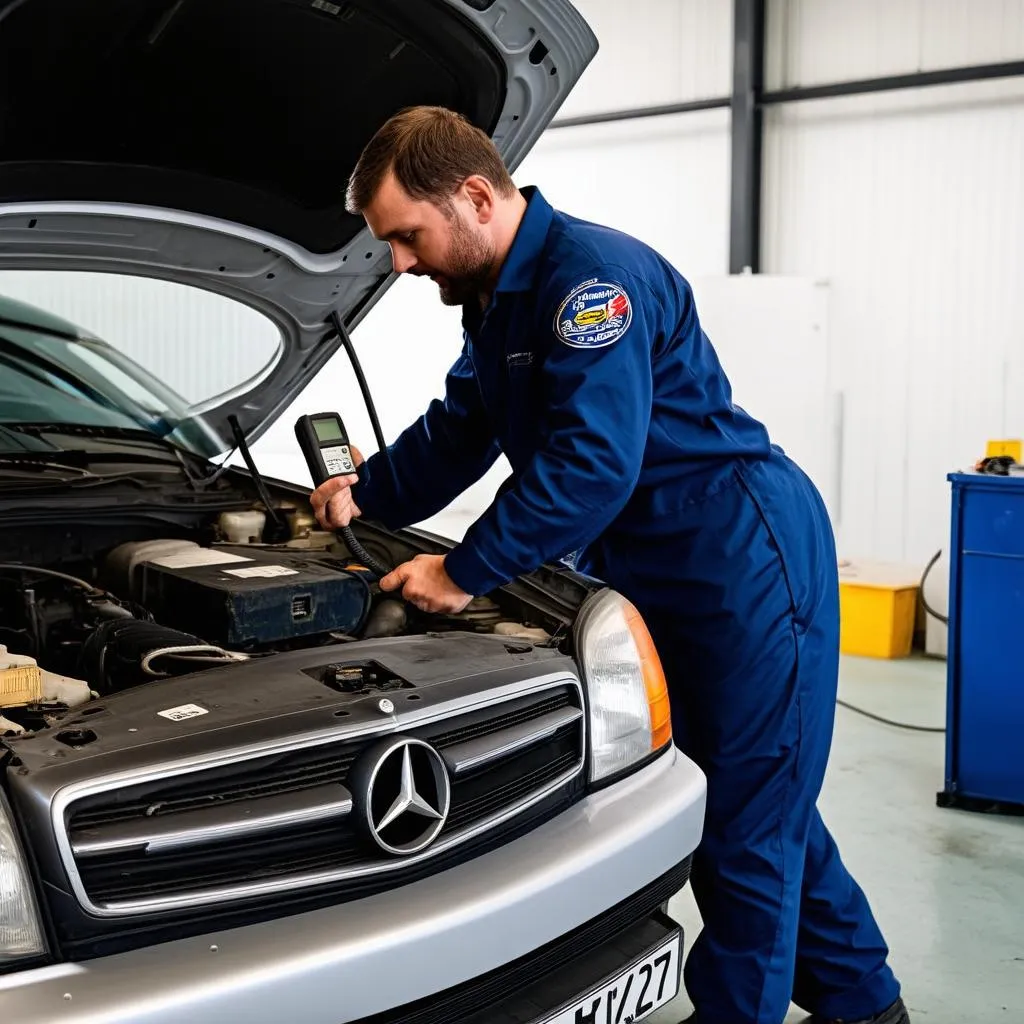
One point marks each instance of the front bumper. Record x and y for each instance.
(398, 949)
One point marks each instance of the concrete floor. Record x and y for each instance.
(947, 886)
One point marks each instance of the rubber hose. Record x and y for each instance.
(33, 569)
(362, 554)
(924, 601)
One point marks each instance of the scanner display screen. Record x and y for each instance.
(327, 430)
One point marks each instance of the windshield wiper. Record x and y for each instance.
(45, 476)
(103, 433)
(193, 466)
(17, 441)
(30, 466)
(51, 470)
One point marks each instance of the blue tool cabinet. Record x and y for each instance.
(985, 667)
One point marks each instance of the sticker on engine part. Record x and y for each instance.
(267, 571)
(594, 315)
(192, 559)
(183, 711)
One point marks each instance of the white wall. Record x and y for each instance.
(910, 204)
(811, 42)
(654, 52)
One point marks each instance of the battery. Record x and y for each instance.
(241, 597)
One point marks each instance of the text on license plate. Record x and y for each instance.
(634, 994)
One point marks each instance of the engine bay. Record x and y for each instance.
(120, 613)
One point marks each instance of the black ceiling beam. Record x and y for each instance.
(915, 80)
(638, 112)
(747, 84)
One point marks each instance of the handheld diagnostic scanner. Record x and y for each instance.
(324, 444)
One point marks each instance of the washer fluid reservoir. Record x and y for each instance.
(242, 527)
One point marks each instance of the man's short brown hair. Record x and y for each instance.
(432, 150)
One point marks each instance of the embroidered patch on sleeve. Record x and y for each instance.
(593, 315)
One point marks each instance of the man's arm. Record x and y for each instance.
(433, 461)
(598, 405)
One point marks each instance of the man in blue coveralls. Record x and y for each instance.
(584, 363)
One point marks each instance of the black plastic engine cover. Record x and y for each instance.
(244, 596)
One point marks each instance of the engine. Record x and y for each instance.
(242, 597)
(151, 609)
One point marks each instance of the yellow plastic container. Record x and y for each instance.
(1011, 447)
(877, 610)
(21, 681)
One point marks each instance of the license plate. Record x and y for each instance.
(632, 995)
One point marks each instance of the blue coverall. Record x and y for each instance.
(590, 371)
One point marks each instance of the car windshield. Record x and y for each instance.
(112, 351)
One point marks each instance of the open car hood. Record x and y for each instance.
(209, 142)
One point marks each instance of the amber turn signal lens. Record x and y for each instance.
(628, 703)
(654, 679)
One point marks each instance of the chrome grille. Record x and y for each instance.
(264, 824)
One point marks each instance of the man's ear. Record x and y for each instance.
(481, 196)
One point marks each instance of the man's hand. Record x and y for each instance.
(332, 500)
(425, 584)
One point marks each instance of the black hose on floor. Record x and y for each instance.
(889, 721)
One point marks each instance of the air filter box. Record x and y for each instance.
(245, 596)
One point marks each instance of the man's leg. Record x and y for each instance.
(740, 592)
(752, 699)
(748, 872)
(841, 968)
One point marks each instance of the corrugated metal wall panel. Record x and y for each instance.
(911, 205)
(653, 52)
(811, 42)
(664, 179)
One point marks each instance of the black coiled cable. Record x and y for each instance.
(361, 554)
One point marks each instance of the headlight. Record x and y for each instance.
(20, 931)
(629, 708)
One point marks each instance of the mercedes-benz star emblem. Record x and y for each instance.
(402, 794)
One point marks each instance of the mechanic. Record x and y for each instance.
(584, 362)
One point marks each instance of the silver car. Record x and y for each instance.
(238, 781)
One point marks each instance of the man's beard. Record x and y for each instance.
(470, 263)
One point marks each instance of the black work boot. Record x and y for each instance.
(896, 1014)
